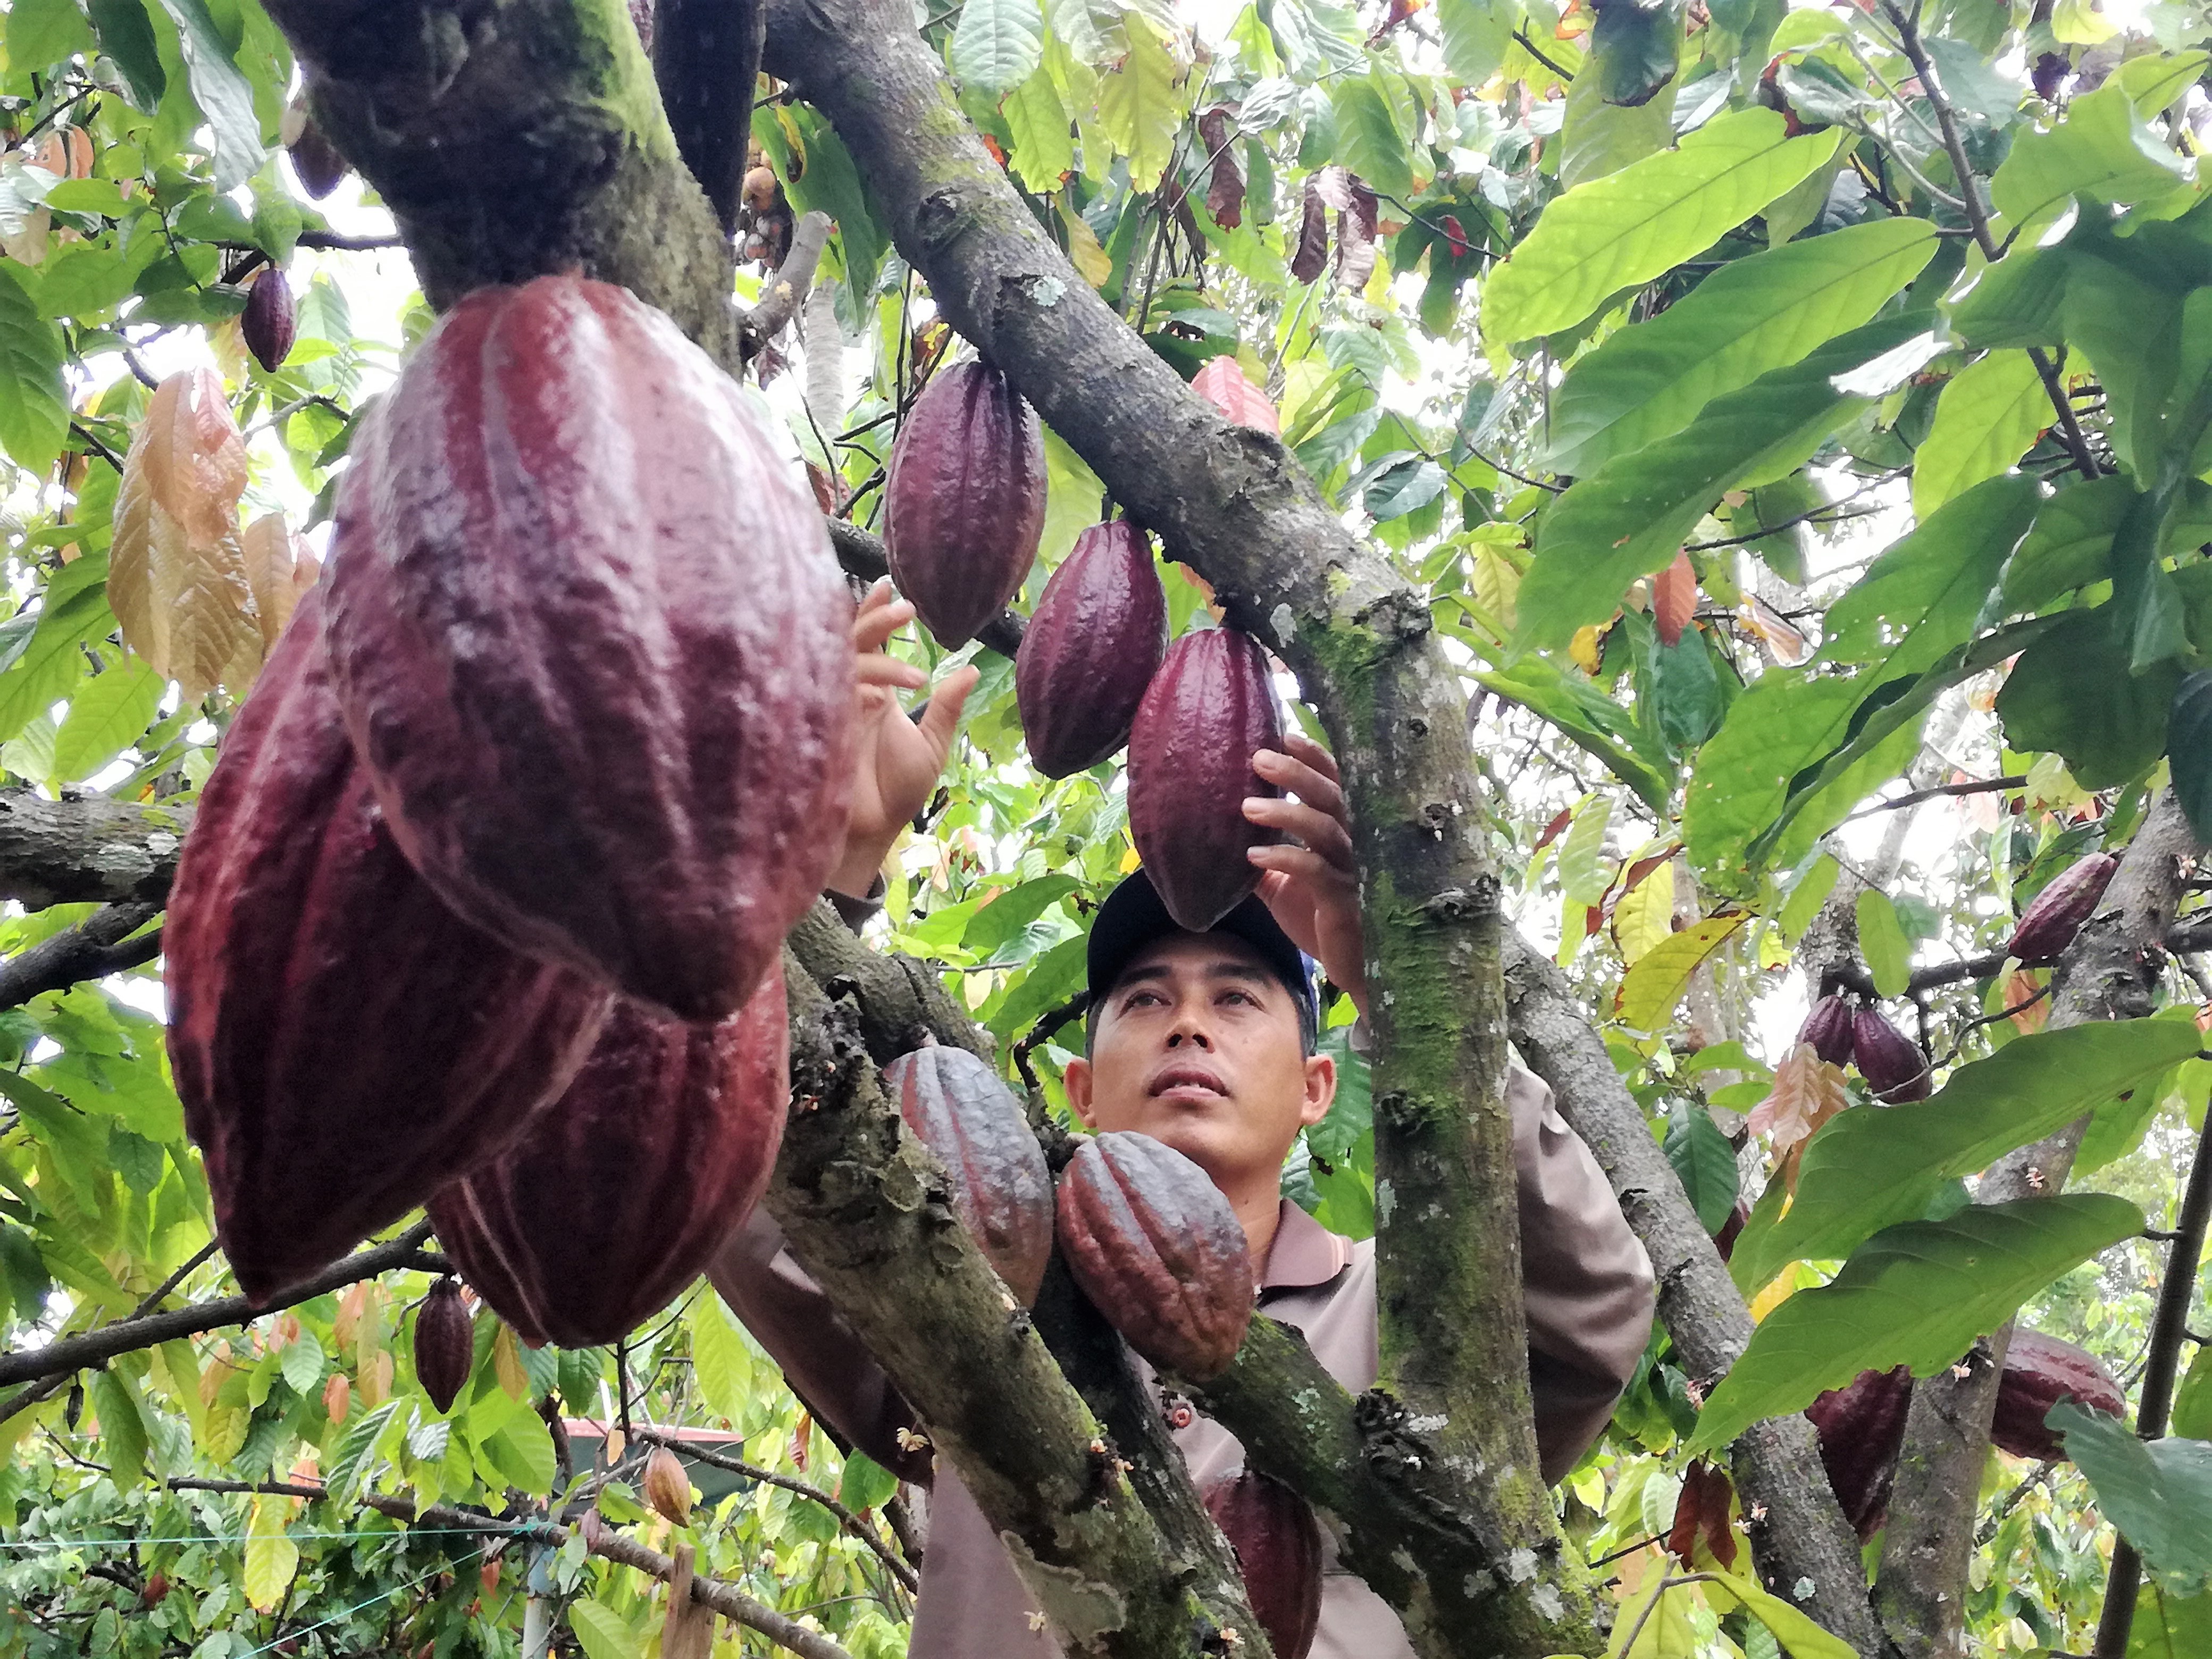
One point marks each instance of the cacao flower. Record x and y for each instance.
(667, 1488)
(2038, 1372)
(1001, 1189)
(1890, 1061)
(592, 646)
(1278, 1545)
(270, 320)
(1861, 1428)
(445, 1343)
(965, 500)
(341, 1041)
(1828, 1029)
(1091, 649)
(2047, 926)
(1207, 710)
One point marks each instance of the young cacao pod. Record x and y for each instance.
(1278, 1545)
(593, 647)
(965, 500)
(615, 1198)
(341, 1041)
(1828, 1029)
(445, 1343)
(270, 319)
(2040, 1371)
(667, 1488)
(1091, 649)
(1155, 1246)
(1861, 1427)
(1190, 767)
(2048, 925)
(315, 160)
(1890, 1061)
(1001, 1189)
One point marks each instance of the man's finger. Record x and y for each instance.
(1304, 748)
(1321, 833)
(1307, 782)
(1295, 864)
(941, 719)
(873, 668)
(875, 623)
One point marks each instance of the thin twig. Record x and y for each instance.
(1973, 786)
(1537, 52)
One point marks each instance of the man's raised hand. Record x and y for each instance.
(1312, 883)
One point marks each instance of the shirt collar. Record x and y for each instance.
(1304, 1252)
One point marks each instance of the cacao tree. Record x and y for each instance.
(1727, 480)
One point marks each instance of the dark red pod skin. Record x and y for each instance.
(269, 320)
(592, 646)
(640, 13)
(618, 1196)
(1861, 1427)
(316, 161)
(2038, 1372)
(1732, 1229)
(965, 500)
(342, 1042)
(445, 1343)
(1828, 1029)
(1278, 1545)
(1001, 1187)
(1090, 648)
(1208, 709)
(1890, 1061)
(1149, 1239)
(2047, 926)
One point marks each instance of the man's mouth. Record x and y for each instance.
(1195, 1078)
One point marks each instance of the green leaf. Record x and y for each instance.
(2168, 1626)
(523, 1451)
(1751, 316)
(2188, 744)
(122, 1427)
(1368, 138)
(77, 1142)
(2159, 1493)
(44, 32)
(1585, 873)
(353, 1466)
(108, 714)
(866, 1484)
(2102, 149)
(74, 610)
(1655, 983)
(1705, 1161)
(1914, 1295)
(1986, 418)
(1920, 599)
(34, 412)
(1137, 105)
(2071, 694)
(2070, 544)
(1635, 48)
(1888, 953)
(998, 45)
(1631, 516)
(1806, 898)
(223, 94)
(1633, 225)
(1477, 35)
(1042, 151)
(1590, 721)
(1053, 978)
(303, 1361)
(721, 1361)
(1796, 1630)
(1003, 919)
(603, 1633)
(2016, 302)
(126, 37)
(1866, 1169)
(1596, 138)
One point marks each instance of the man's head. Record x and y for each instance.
(1203, 1041)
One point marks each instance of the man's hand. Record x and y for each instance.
(896, 761)
(1312, 886)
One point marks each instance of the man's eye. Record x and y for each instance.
(1136, 997)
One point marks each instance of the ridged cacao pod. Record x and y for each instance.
(1209, 708)
(640, 13)
(269, 320)
(1828, 1029)
(1861, 1428)
(2038, 1372)
(342, 1042)
(1090, 650)
(593, 647)
(1890, 1061)
(667, 1488)
(2048, 926)
(316, 161)
(1278, 1545)
(1001, 1189)
(615, 1199)
(965, 500)
(445, 1343)
(1155, 1246)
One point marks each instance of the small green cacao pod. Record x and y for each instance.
(269, 320)
(1091, 649)
(1890, 1061)
(1278, 1545)
(2047, 926)
(1861, 1427)
(1001, 1188)
(445, 1343)
(2038, 1372)
(1828, 1029)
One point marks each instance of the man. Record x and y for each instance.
(1206, 1042)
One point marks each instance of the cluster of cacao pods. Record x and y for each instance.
(1890, 1062)
(484, 902)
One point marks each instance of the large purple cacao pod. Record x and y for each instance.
(1090, 650)
(1001, 1189)
(1861, 1428)
(445, 1343)
(1155, 1246)
(1278, 1545)
(342, 1042)
(592, 646)
(965, 500)
(1209, 708)
(269, 320)
(2038, 1372)
(2048, 926)
(1828, 1029)
(1890, 1061)
(615, 1198)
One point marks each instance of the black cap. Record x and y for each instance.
(1132, 917)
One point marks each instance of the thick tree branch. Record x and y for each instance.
(86, 849)
(706, 56)
(900, 1004)
(99, 946)
(787, 288)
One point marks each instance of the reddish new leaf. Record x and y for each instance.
(1222, 383)
(1673, 599)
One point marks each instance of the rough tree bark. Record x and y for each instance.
(86, 849)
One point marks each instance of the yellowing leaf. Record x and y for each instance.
(1091, 261)
(271, 1557)
(1807, 1091)
(1584, 648)
(1645, 918)
(1649, 990)
(507, 1364)
(1137, 105)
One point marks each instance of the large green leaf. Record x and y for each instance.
(1630, 517)
(2189, 743)
(1369, 141)
(1866, 1169)
(1477, 34)
(1748, 317)
(1635, 47)
(44, 32)
(998, 45)
(122, 1426)
(2071, 694)
(2158, 1494)
(2103, 149)
(105, 718)
(1137, 105)
(2070, 544)
(222, 92)
(1921, 597)
(1985, 419)
(1589, 720)
(2169, 1627)
(1596, 138)
(1631, 225)
(74, 610)
(33, 401)
(1704, 1161)
(1914, 1295)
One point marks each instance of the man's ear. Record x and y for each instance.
(1077, 1079)
(1321, 1088)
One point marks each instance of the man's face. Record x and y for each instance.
(1197, 1045)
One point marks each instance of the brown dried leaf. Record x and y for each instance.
(1789, 647)
(1224, 190)
(1807, 1091)
(1313, 235)
(1357, 228)
(1673, 599)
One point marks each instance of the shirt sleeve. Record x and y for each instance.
(824, 1361)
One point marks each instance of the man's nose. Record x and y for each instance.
(1188, 1029)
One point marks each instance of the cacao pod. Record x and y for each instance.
(614, 1200)
(316, 161)
(1155, 1246)
(269, 320)
(1207, 710)
(965, 500)
(1278, 1545)
(667, 1488)
(445, 1343)
(593, 647)
(341, 1041)
(1001, 1189)
(1861, 1428)
(1828, 1029)
(2038, 1372)
(1890, 1061)
(1090, 650)
(1732, 1229)
(2048, 926)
